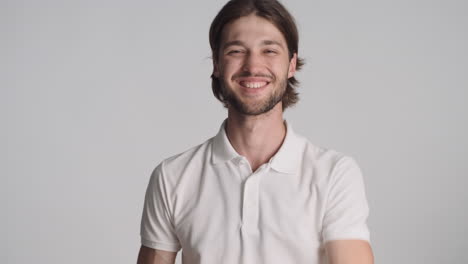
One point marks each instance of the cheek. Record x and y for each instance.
(278, 64)
(230, 67)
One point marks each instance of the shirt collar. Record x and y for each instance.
(286, 160)
(222, 148)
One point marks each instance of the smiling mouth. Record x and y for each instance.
(253, 85)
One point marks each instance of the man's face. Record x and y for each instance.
(253, 65)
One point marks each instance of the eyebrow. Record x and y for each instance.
(240, 43)
(271, 42)
(233, 43)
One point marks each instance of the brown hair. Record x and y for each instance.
(271, 10)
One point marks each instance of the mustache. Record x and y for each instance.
(249, 74)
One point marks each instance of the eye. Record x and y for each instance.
(234, 52)
(270, 52)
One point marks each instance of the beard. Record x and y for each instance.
(255, 108)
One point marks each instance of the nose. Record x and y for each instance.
(253, 63)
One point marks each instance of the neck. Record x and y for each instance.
(257, 138)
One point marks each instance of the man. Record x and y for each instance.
(256, 192)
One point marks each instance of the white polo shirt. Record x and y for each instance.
(208, 202)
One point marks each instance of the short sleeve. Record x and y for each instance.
(157, 229)
(346, 209)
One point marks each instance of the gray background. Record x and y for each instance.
(94, 94)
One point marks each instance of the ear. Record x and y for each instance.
(215, 69)
(292, 66)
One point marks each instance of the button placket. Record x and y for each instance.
(250, 206)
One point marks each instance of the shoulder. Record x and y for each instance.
(325, 161)
(323, 155)
(191, 158)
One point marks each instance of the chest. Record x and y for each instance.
(231, 207)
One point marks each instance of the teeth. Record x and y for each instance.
(253, 85)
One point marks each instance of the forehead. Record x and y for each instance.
(251, 28)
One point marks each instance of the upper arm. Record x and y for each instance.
(345, 230)
(349, 252)
(157, 228)
(346, 208)
(155, 256)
